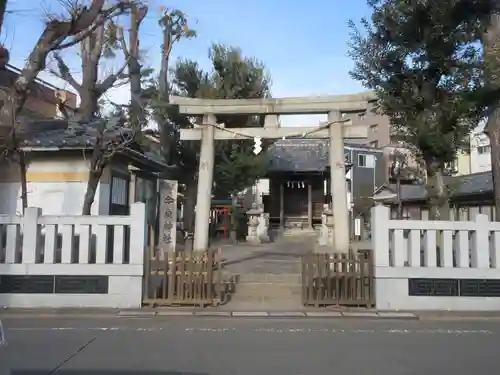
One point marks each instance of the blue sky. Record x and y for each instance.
(303, 44)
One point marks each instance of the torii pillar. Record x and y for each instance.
(336, 131)
(338, 184)
(205, 183)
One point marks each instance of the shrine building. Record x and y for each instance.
(298, 183)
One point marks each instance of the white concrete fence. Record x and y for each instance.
(72, 261)
(436, 265)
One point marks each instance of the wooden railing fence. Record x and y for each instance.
(338, 279)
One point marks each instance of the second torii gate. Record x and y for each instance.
(335, 130)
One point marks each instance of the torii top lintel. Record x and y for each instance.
(289, 106)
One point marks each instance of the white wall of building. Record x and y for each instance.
(480, 150)
(54, 198)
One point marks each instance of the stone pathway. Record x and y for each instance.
(276, 258)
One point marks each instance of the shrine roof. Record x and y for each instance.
(303, 155)
(298, 155)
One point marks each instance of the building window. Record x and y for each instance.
(374, 144)
(349, 185)
(361, 160)
(366, 161)
(374, 128)
(119, 191)
(361, 116)
(484, 149)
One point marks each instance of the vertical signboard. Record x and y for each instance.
(168, 215)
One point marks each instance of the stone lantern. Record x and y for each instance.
(257, 225)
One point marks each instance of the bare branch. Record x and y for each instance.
(97, 41)
(137, 18)
(121, 40)
(65, 74)
(110, 80)
(98, 20)
(61, 106)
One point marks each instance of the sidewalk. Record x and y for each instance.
(159, 313)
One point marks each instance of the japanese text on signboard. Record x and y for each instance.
(168, 211)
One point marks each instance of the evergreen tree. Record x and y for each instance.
(233, 76)
(426, 70)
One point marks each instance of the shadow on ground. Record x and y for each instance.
(280, 257)
(102, 372)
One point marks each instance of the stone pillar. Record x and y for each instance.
(282, 205)
(263, 227)
(326, 235)
(205, 182)
(338, 185)
(309, 205)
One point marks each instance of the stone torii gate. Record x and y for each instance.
(335, 130)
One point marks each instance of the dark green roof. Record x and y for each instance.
(302, 155)
(460, 186)
(38, 135)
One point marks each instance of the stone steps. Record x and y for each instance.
(282, 289)
(268, 290)
(288, 278)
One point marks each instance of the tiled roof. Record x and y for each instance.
(59, 134)
(477, 183)
(302, 155)
(298, 155)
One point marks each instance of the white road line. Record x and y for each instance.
(442, 331)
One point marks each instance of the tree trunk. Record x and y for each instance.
(233, 233)
(438, 195)
(3, 8)
(163, 95)
(494, 135)
(491, 43)
(137, 117)
(92, 183)
(24, 182)
(97, 164)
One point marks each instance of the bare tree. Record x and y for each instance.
(175, 27)
(137, 115)
(108, 139)
(83, 21)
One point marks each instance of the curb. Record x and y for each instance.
(256, 314)
(219, 314)
(271, 314)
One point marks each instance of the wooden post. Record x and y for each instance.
(282, 205)
(309, 205)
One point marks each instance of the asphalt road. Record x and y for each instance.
(207, 346)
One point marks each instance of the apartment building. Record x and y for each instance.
(43, 99)
(379, 137)
(478, 158)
